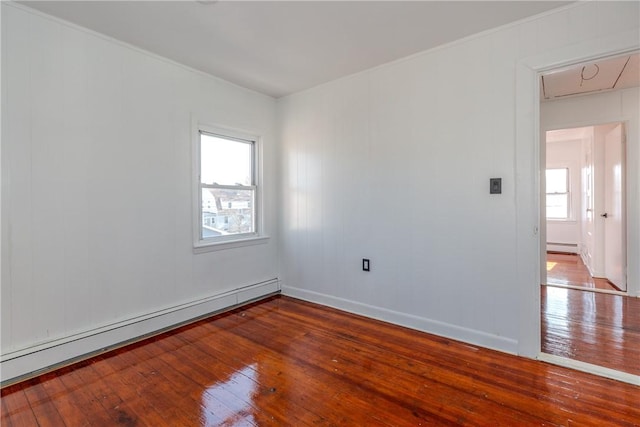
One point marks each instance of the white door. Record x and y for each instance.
(614, 209)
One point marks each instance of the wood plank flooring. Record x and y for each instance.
(592, 327)
(568, 269)
(287, 362)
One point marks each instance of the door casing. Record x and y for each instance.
(528, 166)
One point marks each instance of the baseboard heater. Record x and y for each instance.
(571, 248)
(38, 359)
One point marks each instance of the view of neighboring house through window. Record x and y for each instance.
(227, 187)
(557, 182)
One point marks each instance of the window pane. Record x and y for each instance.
(225, 161)
(227, 212)
(557, 180)
(557, 206)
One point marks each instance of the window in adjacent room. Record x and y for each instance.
(558, 194)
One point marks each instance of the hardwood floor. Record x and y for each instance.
(568, 269)
(597, 328)
(287, 362)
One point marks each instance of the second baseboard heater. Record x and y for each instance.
(562, 247)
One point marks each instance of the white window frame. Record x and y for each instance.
(232, 240)
(567, 194)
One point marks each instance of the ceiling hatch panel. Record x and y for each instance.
(631, 75)
(605, 74)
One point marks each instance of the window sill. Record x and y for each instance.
(202, 247)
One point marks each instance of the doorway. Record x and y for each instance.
(585, 208)
(586, 314)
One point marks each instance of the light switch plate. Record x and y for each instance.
(495, 185)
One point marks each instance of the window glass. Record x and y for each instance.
(557, 180)
(227, 211)
(557, 206)
(557, 183)
(225, 161)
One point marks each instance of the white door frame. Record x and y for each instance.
(528, 168)
(543, 232)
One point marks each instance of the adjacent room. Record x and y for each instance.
(308, 212)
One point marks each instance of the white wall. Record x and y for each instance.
(566, 154)
(96, 192)
(393, 164)
(624, 106)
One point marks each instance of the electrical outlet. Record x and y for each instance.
(366, 264)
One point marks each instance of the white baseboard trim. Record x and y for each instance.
(31, 361)
(591, 369)
(423, 324)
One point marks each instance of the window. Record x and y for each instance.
(557, 182)
(227, 190)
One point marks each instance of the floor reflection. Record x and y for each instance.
(228, 403)
(596, 328)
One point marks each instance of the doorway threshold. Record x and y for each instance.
(584, 288)
(601, 371)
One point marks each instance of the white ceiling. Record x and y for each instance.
(281, 47)
(562, 135)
